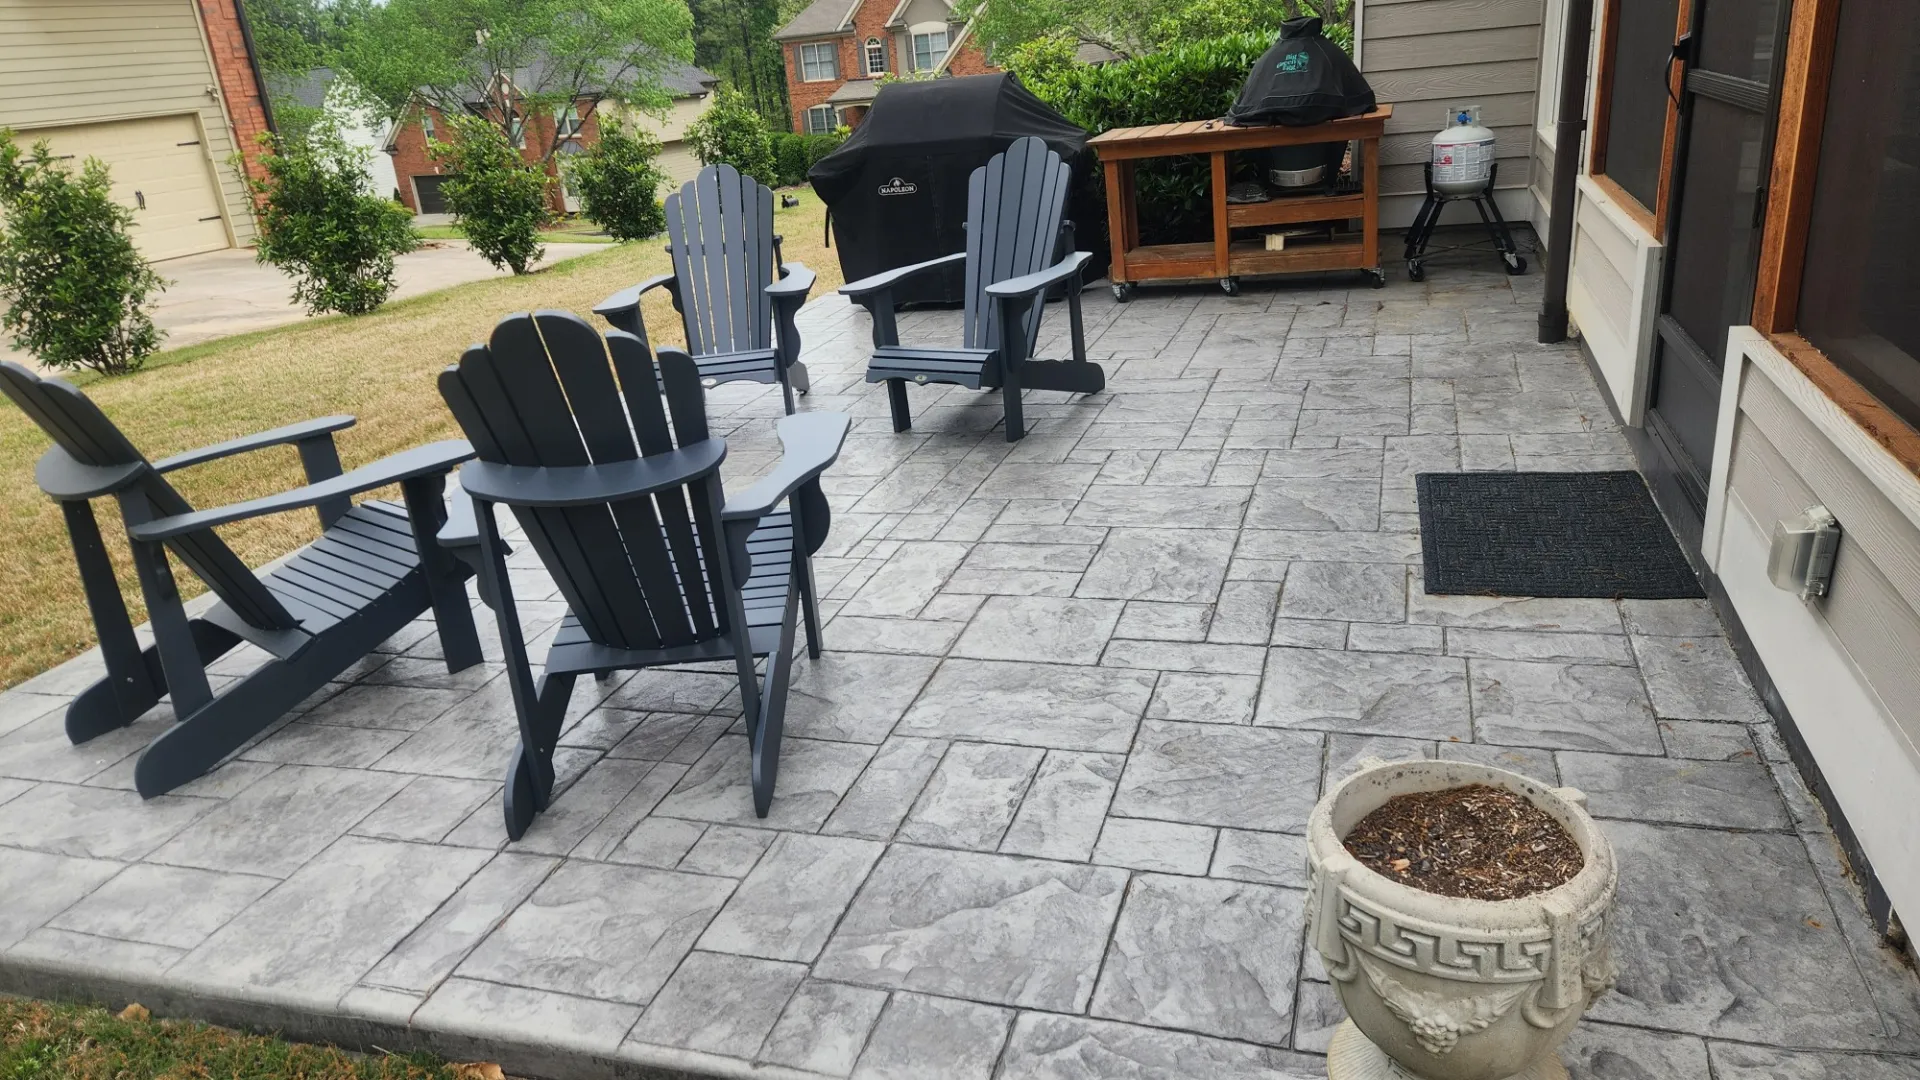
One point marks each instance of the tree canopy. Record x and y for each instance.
(1137, 27)
(506, 59)
(734, 40)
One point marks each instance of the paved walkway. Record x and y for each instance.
(223, 293)
(1040, 808)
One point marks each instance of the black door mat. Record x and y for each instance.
(1548, 534)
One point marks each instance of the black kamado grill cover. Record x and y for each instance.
(1303, 79)
(896, 190)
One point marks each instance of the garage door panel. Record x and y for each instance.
(159, 162)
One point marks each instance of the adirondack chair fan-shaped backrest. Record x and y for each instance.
(540, 393)
(78, 427)
(1015, 204)
(720, 225)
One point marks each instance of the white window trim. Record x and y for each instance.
(833, 51)
(866, 53)
(927, 30)
(568, 123)
(833, 118)
(1553, 25)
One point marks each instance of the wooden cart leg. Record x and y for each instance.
(1370, 239)
(1222, 257)
(1119, 209)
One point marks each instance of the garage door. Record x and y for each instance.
(160, 172)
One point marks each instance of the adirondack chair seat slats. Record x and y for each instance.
(752, 365)
(970, 368)
(1015, 225)
(620, 496)
(374, 569)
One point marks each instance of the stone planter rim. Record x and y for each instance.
(1330, 845)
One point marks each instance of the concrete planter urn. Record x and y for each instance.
(1443, 988)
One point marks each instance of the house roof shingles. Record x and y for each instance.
(822, 18)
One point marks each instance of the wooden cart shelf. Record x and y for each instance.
(1121, 149)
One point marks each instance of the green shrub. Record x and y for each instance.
(618, 183)
(77, 292)
(498, 197)
(321, 223)
(794, 154)
(731, 132)
(1187, 82)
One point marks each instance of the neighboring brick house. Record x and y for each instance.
(165, 92)
(836, 50)
(419, 175)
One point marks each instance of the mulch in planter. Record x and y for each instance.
(1477, 842)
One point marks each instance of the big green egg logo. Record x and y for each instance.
(1292, 63)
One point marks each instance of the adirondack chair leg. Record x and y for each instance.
(446, 585)
(786, 389)
(186, 673)
(134, 681)
(797, 374)
(897, 401)
(539, 706)
(773, 710)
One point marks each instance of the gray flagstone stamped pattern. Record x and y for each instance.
(1041, 802)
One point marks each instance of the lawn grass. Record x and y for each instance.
(378, 367)
(566, 231)
(44, 1041)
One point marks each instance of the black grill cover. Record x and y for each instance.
(1304, 79)
(897, 188)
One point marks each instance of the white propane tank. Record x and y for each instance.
(1462, 157)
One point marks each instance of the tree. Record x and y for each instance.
(76, 291)
(320, 222)
(730, 131)
(618, 184)
(498, 197)
(1129, 28)
(291, 37)
(505, 60)
(734, 39)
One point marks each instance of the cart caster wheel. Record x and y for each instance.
(1516, 264)
(1415, 271)
(1379, 278)
(1230, 286)
(1122, 291)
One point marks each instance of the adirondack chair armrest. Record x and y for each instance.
(887, 279)
(281, 436)
(622, 309)
(1039, 280)
(584, 485)
(796, 281)
(809, 442)
(65, 480)
(439, 457)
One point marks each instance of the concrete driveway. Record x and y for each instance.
(222, 293)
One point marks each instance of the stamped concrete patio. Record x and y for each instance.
(1040, 808)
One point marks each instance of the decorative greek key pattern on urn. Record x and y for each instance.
(1438, 1020)
(1439, 951)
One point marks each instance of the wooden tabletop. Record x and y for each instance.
(1202, 136)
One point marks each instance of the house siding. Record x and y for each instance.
(1425, 55)
(1842, 664)
(63, 64)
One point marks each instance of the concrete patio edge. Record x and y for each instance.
(339, 1026)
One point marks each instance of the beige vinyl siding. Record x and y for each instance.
(70, 64)
(1780, 465)
(1424, 55)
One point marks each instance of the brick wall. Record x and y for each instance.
(970, 60)
(802, 95)
(241, 91)
(411, 157)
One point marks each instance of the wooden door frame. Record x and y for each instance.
(1652, 219)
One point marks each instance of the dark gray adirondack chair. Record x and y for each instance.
(736, 299)
(1015, 204)
(375, 568)
(657, 565)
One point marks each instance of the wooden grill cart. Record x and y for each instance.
(1122, 148)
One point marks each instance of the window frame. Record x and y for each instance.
(426, 124)
(568, 123)
(867, 50)
(933, 57)
(832, 61)
(1653, 219)
(833, 119)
